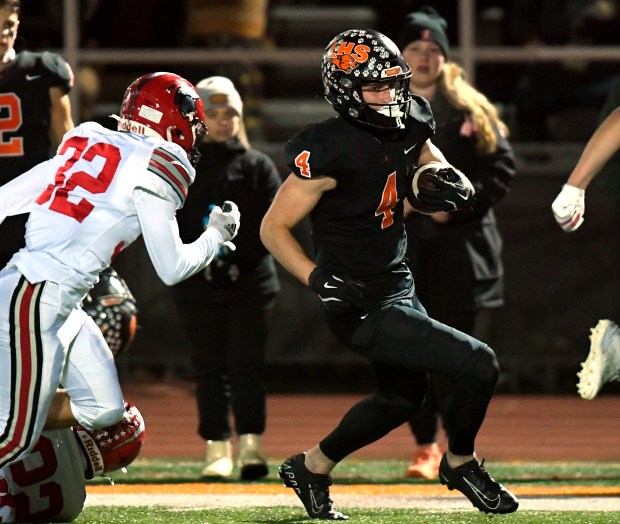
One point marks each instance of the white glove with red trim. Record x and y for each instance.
(569, 207)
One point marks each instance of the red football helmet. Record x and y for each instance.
(114, 447)
(167, 106)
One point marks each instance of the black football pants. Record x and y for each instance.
(228, 345)
(404, 345)
(424, 423)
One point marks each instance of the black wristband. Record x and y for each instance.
(312, 278)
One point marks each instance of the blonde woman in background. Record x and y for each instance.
(455, 256)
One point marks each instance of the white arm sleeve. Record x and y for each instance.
(18, 195)
(173, 260)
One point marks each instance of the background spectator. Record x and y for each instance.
(226, 308)
(455, 257)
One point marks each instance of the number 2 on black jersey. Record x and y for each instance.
(13, 146)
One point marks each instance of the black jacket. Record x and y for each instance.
(458, 265)
(230, 171)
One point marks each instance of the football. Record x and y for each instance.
(419, 180)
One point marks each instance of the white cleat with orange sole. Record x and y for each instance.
(603, 362)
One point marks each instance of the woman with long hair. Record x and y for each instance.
(455, 256)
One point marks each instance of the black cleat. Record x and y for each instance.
(311, 488)
(473, 481)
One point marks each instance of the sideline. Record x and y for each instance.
(199, 496)
(406, 490)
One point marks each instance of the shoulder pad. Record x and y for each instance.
(172, 171)
(420, 111)
(56, 70)
(314, 151)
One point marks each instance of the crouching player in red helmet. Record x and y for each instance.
(48, 484)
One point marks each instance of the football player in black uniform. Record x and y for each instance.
(351, 174)
(35, 113)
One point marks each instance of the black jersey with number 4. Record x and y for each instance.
(358, 227)
(25, 109)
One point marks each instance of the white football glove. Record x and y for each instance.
(226, 220)
(569, 207)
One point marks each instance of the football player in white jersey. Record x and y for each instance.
(48, 484)
(95, 197)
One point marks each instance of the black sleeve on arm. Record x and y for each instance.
(58, 71)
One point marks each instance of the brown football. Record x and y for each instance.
(419, 180)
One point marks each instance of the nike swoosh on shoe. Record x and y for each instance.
(316, 509)
(483, 498)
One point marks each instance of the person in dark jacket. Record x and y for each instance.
(455, 257)
(226, 308)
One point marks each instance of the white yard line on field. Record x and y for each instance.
(344, 501)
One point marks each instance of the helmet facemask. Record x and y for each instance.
(389, 115)
(187, 106)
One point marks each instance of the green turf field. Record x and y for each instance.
(387, 471)
(290, 515)
(550, 477)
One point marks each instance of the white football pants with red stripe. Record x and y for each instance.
(41, 350)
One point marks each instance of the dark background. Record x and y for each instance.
(557, 285)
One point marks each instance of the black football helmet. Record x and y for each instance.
(363, 56)
(113, 308)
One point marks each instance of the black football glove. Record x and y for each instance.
(332, 288)
(453, 191)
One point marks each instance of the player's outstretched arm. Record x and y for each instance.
(18, 195)
(173, 260)
(569, 206)
(602, 145)
(294, 200)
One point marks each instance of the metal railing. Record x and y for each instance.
(468, 54)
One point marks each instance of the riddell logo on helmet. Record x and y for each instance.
(132, 127)
(347, 56)
(92, 450)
